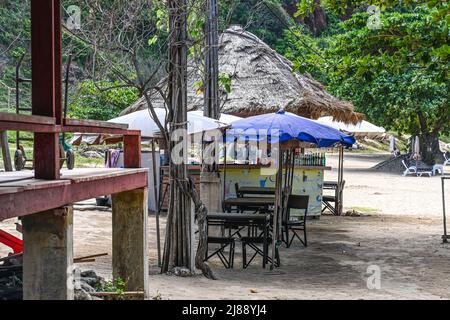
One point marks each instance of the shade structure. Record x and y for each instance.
(262, 81)
(363, 129)
(284, 126)
(224, 118)
(142, 120)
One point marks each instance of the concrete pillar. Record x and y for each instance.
(48, 255)
(211, 196)
(130, 245)
(210, 191)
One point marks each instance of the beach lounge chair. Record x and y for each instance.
(447, 160)
(438, 169)
(409, 169)
(422, 172)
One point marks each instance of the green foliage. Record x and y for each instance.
(225, 81)
(392, 73)
(257, 17)
(92, 102)
(116, 285)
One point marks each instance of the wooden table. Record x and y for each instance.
(237, 217)
(248, 202)
(255, 190)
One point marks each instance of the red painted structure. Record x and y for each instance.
(11, 241)
(22, 195)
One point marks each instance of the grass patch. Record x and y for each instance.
(367, 210)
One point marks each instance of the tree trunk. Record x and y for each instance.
(429, 148)
(178, 243)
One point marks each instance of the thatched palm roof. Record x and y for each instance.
(262, 81)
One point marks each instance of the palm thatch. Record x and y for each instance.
(262, 81)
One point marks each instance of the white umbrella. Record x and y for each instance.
(361, 129)
(224, 118)
(141, 120)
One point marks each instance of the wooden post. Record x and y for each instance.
(48, 255)
(46, 83)
(5, 151)
(132, 151)
(130, 249)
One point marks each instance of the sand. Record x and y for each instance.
(398, 233)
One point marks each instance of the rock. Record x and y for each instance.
(90, 281)
(80, 294)
(181, 272)
(91, 278)
(86, 287)
(88, 274)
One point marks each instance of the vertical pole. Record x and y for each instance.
(444, 237)
(224, 162)
(48, 255)
(340, 181)
(211, 108)
(46, 83)
(132, 151)
(278, 182)
(5, 151)
(155, 183)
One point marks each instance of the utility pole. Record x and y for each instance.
(211, 104)
(210, 192)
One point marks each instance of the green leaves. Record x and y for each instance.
(93, 101)
(390, 73)
(225, 81)
(152, 40)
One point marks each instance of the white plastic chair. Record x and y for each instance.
(409, 170)
(438, 169)
(447, 160)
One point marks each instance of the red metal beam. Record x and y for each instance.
(25, 118)
(46, 83)
(94, 126)
(22, 122)
(43, 57)
(132, 151)
(37, 200)
(57, 56)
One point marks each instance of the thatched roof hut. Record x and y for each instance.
(262, 81)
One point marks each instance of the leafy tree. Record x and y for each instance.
(396, 73)
(92, 102)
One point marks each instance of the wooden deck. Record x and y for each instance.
(21, 194)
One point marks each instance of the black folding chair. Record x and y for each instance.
(259, 234)
(220, 252)
(329, 203)
(223, 241)
(298, 225)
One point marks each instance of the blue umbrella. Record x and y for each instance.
(283, 126)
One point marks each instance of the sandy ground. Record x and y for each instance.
(398, 234)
